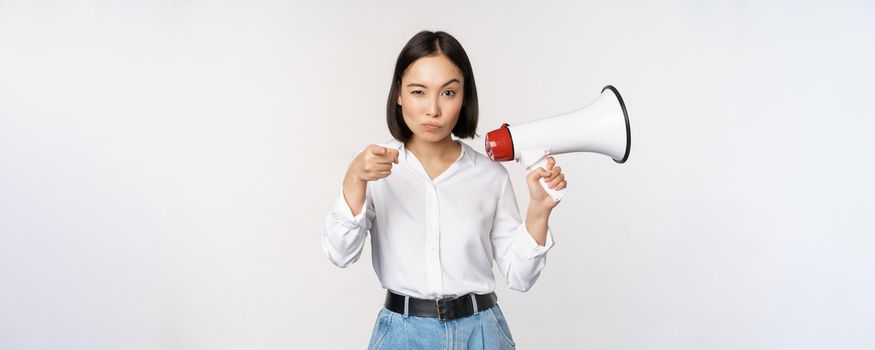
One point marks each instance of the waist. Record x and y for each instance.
(444, 309)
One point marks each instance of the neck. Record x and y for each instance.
(430, 151)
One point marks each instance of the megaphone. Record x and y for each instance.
(602, 127)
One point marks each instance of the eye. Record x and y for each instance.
(416, 92)
(449, 93)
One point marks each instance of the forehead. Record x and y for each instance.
(432, 70)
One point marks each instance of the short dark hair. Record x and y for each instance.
(426, 43)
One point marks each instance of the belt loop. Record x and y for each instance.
(474, 301)
(406, 306)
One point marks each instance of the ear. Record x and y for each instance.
(398, 93)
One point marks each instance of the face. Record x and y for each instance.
(431, 97)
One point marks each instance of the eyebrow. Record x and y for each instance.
(454, 80)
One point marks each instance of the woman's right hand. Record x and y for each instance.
(374, 163)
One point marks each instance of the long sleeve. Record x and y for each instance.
(343, 235)
(520, 258)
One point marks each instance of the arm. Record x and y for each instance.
(521, 250)
(519, 256)
(536, 223)
(354, 191)
(541, 204)
(343, 234)
(345, 229)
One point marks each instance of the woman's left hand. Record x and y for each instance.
(553, 176)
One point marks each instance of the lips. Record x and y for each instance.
(431, 127)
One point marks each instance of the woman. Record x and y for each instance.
(438, 212)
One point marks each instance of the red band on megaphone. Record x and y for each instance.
(499, 145)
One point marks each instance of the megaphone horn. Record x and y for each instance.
(601, 127)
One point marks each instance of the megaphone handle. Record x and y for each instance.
(555, 194)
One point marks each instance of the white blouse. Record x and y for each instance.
(437, 238)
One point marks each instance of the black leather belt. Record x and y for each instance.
(444, 309)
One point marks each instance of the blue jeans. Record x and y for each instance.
(486, 329)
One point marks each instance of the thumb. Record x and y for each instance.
(378, 150)
(536, 175)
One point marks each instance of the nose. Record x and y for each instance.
(434, 109)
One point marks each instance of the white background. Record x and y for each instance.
(165, 169)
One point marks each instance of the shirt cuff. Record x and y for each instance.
(343, 214)
(527, 247)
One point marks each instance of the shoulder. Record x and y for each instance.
(484, 165)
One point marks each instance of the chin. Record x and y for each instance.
(431, 137)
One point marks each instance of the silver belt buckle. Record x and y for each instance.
(440, 303)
